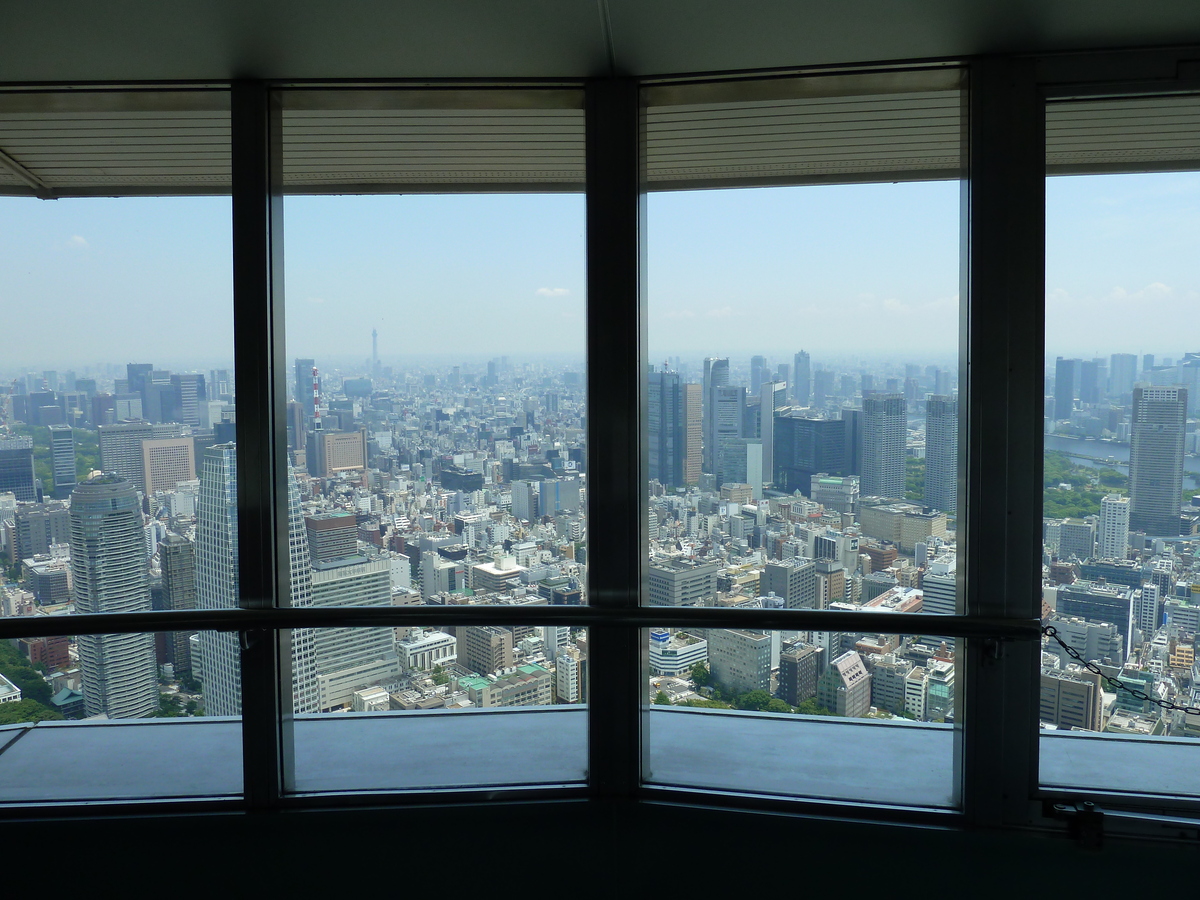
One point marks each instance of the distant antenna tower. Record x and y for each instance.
(316, 401)
(374, 351)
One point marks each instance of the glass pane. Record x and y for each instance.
(112, 717)
(814, 714)
(436, 426)
(1120, 518)
(457, 707)
(802, 411)
(118, 375)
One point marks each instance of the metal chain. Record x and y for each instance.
(1115, 683)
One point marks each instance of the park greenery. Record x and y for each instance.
(914, 478)
(719, 697)
(87, 452)
(34, 705)
(1088, 486)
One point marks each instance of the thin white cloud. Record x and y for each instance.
(722, 312)
(77, 241)
(553, 292)
(679, 314)
(315, 299)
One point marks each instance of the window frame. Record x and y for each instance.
(1002, 246)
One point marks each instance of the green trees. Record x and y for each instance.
(16, 669)
(439, 674)
(661, 699)
(810, 708)
(700, 675)
(27, 711)
(914, 478)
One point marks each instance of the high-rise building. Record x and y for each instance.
(740, 660)
(16, 468)
(177, 556)
(801, 379)
(217, 586)
(716, 374)
(168, 461)
(758, 373)
(121, 450)
(1156, 459)
(844, 688)
(804, 447)
(189, 393)
(62, 456)
(332, 535)
(728, 415)
(822, 390)
(1067, 375)
(304, 385)
(798, 669)
(1122, 373)
(885, 424)
(349, 659)
(1092, 377)
(484, 648)
(674, 425)
(109, 575)
(941, 453)
(1112, 539)
(794, 579)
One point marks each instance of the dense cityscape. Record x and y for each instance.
(783, 483)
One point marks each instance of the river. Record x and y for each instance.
(1093, 453)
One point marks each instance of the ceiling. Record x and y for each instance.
(124, 40)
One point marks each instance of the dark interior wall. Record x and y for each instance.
(582, 849)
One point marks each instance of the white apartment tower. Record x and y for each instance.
(884, 428)
(108, 568)
(1113, 538)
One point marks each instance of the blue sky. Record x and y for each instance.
(857, 271)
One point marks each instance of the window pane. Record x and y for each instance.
(815, 714)
(464, 707)
(112, 717)
(1120, 449)
(435, 284)
(802, 411)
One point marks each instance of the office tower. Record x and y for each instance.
(772, 397)
(189, 392)
(805, 447)
(1113, 536)
(304, 384)
(782, 371)
(349, 659)
(177, 556)
(331, 452)
(801, 378)
(1156, 459)
(62, 454)
(941, 453)
(121, 450)
(137, 379)
(525, 501)
(1071, 698)
(374, 353)
(1122, 373)
(217, 586)
(1067, 374)
(758, 371)
(1147, 362)
(822, 387)
(729, 413)
(844, 688)
(674, 425)
(160, 403)
(798, 669)
(683, 582)
(852, 419)
(16, 468)
(794, 579)
(740, 661)
(939, 586)
(716, 375)
(109, 574)
(885, 424)
(1091, 379)
(331, 535)
(219, 386)
(484, 649)
(166, 462)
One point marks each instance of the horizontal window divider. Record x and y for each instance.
(797, 804)
(579, 616)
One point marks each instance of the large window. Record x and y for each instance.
(673, 439)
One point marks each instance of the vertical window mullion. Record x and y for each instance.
(1004, 312)
(263, 553)
(617, 362)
